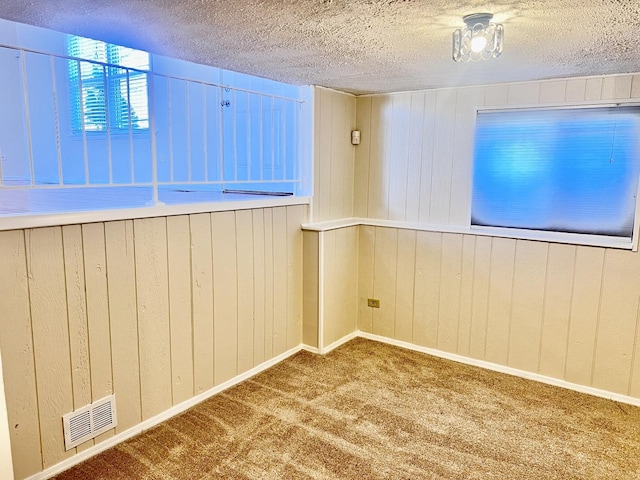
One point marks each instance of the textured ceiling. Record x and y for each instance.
(358, 46)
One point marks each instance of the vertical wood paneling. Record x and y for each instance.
(18, 356)
(95, 265)
(202, 300)
(557, 309)
(295, 216)
(334, 162)
(377, 192)
(385, 273)
(523, 94)
(121, 278)
(414, 162)
(466, 295)
(442, 157)
(121, 306)
(279, 280)
(593, 89)
(399, 145)
(225, 297)
(553, 92)
(427, 157)
(180, 314)
(499, 310)
(575, 90)
(45, 271)
(310, 289)
(244, 258)
(322, 164)
(404, 285)
(77, 318)
(427, 288)
(467, 101)
(480, 298)
(331, 298)
(336, 176)
(350, 268)
(153, 315)
(585, 305)
(259, 286)
(495, 95)
(449, 298)
(269, 283)
(366, 249)
(529, 279)
(362, 159)
(618, 312)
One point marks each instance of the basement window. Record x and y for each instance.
(105, 96)
(564, 174)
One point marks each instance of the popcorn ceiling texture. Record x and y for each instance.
(358, 46)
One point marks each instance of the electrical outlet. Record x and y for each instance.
(373, 302)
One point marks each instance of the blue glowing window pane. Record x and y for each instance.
(573, 170)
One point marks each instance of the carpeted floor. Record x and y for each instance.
(371, 411)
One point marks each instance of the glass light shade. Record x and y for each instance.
(478, 40)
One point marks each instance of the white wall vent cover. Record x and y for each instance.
(89, 422)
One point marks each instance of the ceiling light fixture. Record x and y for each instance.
(479, 39)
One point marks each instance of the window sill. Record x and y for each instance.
(20, 221)
(549, 237)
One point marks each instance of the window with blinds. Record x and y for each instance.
(572, 170)
(111, 97)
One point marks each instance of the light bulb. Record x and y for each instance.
(478, 43)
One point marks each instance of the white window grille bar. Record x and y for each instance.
(82, 125)
(221, 134)
(154, 145)
(170, 130)
(132, 159)
(297, 146)
(25, 89)
(273, 140)
(188, 122)
(234, 104)
(283, 150)
(261, 141)
(56, 118)
(204, 132)
(107, 115)
(248, 107)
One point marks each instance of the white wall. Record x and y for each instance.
(6, 464)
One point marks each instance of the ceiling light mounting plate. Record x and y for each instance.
(475, 18)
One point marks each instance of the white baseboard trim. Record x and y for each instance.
(310, 349)
(161, 417)
(504, 369)
(339, 342)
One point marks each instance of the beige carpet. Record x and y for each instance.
(368, 411)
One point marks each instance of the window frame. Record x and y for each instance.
(76, 89)
(545, 235)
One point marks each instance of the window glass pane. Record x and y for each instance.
(101, 90)
(562, 170)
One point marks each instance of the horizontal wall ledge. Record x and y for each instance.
(540, 236)
(90, 216)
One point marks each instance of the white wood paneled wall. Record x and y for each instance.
(333, 182)
(415, 160)
(154, 310)
(340, 283)
(563, 311)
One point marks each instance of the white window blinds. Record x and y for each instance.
(569, 170)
